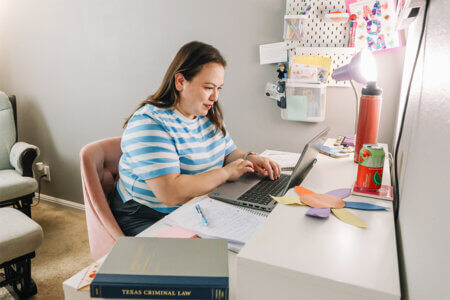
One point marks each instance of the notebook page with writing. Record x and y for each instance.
(225, 221)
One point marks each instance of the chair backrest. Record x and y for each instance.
(99, 171)
(7, 131)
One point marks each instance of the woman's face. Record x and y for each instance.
(198, 95)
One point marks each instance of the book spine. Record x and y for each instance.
(148, 292)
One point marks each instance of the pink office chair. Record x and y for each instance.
(99, 173)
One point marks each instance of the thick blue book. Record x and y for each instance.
(164, 268)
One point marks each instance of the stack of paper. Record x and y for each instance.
(226, 221)
(286, 160)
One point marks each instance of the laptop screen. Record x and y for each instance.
(306, 160)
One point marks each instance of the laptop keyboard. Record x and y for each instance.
(260, 193)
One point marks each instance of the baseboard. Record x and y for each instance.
(63, 202)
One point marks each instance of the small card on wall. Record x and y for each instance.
(271, 91)
(272, 53)
(304, 73)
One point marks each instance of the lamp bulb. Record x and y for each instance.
(368, 67)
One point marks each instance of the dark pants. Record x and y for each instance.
(132, 216)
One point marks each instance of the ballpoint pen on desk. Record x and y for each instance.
(199, 211)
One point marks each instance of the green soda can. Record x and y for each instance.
(370, 168)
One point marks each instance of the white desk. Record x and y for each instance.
(293, 256)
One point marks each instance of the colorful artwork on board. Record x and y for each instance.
(376, 21)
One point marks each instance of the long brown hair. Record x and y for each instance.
(189, 62)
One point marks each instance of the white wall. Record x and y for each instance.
(80, 67)
(424, 225)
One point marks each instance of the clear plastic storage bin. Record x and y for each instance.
(294, 27)
(304, 102)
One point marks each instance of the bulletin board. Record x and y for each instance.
(322, 38)
(320, 33)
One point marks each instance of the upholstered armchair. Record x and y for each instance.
(17, 185)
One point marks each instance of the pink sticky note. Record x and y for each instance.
(176, 232)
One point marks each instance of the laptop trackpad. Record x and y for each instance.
(233, 189)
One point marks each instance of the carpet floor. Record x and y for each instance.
(64, 250)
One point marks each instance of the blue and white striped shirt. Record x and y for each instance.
(160, 141)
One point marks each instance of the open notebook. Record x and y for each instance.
(230, 222)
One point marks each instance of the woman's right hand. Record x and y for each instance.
(238, 168)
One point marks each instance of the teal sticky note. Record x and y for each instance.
(297, 107)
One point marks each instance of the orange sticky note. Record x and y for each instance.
(322, 201)
(302, 191)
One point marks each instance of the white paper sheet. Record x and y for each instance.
(225, 221)
(272, 53)
(286, 160)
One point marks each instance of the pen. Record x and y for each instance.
(307, 10)
(351, 36)
(199, 211)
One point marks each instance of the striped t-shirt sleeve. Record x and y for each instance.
(149, 150)
(229, 144)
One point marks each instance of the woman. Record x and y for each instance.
(175, 146)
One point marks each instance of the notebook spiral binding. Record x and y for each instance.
(255, 212)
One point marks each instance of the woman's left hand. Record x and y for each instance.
(265, 166)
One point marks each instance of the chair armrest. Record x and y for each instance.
(22, 157)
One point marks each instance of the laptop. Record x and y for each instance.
(253, 190)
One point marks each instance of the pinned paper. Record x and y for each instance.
(288, 199)
(323, 63)
(340, 193)
(313, 60)
(302, 191)
(347, 217)
(376, 24)
(304, 73)
(272, 53)
(364, 206)
(322, 201)
(318, 212)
